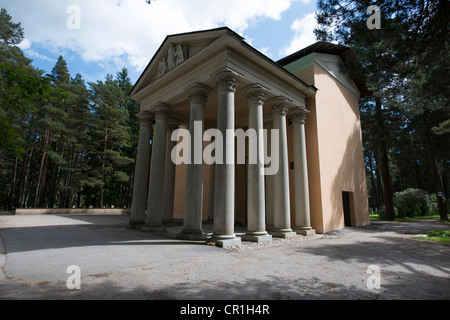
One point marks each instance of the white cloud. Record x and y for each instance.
(33, 54)
(304, 34)
(266, 51)
(25, 44)
(128, 32)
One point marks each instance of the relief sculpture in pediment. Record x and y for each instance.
(176, 55)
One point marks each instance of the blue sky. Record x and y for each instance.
(97, 37)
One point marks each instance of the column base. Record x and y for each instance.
(257, 237)
(154, 228)
(226, 241)
(169, 223)
(283, 233)
(305, 231)
(196, 235)
(135, 225)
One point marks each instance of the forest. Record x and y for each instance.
(67, 143)
(64, 143)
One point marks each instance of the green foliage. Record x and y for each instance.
(11, 33)
(62, 143)
(441, 236)
(413, 203)
(382, 212)
(20, 84)
(406, 65)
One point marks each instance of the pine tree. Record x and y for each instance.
(19, 83)
(110, 135)
(20, 86)
(52, 122)
(405, 64)
(132, 123)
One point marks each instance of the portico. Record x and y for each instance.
(215, 79)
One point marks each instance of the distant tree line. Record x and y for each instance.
(63, 142)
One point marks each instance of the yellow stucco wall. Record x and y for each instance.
(335, 154)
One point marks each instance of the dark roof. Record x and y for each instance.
(344, 52)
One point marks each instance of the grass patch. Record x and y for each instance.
(440, 236)
(376, 217)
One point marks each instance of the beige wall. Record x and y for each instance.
(180, 190)
(335, 155)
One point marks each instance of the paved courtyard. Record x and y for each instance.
(117, 263)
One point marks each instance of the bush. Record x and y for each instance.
(413, 203)
(434, 204)
(382, 212)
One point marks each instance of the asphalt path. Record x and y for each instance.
(96, 257)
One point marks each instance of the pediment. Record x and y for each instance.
(175, 51)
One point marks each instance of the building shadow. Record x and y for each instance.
(84, 231)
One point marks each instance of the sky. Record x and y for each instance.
(100, 37)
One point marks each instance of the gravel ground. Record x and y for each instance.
(250, 246)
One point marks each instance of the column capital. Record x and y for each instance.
(162, 111)
(256, 94)
(226, 80)
(298, 115)
(198, 93)
(280, 109)
(145, 118)
(172, 125)
(279, 105)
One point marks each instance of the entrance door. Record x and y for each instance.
(347, 209)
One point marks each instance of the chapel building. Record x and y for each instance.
(213, 79)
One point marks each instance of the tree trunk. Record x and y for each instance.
(399, 177)
(41, 176)
(385, 174)
(13, 185)
(439, 192)
(24, 176)
(418, 177)
(375, 203)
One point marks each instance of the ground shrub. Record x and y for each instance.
(411, 203)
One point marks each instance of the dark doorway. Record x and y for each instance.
(347, 208)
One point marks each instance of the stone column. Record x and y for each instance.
(169, 176)
(139, 201)
(282, 211)
(256, 215)
(212, 178)
(193, 203)
(224, 194)
(156, 186)
(268, 125)
(302, 210)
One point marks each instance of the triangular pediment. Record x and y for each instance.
(175, 51)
